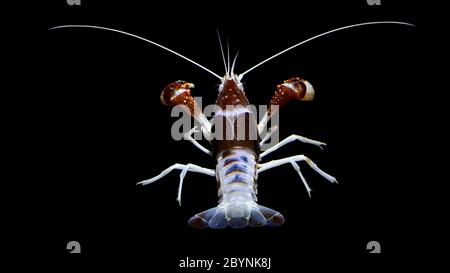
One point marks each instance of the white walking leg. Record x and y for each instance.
(180, 186)
(185, 169)
(272, 130)
(297, 168)
(187, 136)
(289, 140)
(295, 158)
(263, 123)
(205, 126)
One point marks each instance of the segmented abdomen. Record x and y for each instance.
(236, 175)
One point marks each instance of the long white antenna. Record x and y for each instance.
(323, 34)
(138, 37)
(221, 50)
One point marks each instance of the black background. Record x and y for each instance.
(98, 128)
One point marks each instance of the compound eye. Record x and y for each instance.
(178, 92)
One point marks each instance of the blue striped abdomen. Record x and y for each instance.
(236, 174)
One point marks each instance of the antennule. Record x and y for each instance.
(234, 62)
(228, 57)
(221, 50)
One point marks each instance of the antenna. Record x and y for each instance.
(323, 34)
(138, 37)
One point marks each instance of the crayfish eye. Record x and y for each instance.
(178, 92)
